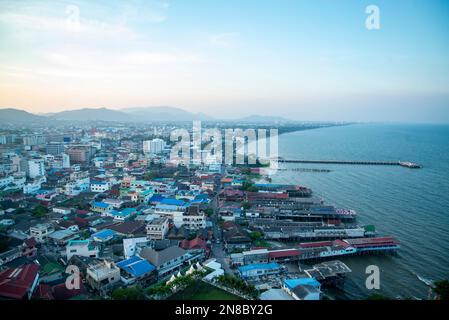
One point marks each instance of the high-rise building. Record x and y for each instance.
(154, 146)
(55, 148)
(34, 140)
(80, 154)
(36, 168)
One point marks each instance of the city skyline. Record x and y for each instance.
(299, 60)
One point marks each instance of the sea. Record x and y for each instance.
(410, 204)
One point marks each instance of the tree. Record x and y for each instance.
(442, 289)
(245, 205)
(209, 212)
(131, 293)
(40, 211)
(255, 235)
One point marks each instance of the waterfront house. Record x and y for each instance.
(259, 270)
(302, 288)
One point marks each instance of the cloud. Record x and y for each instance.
(159, 57)
(223, 39)
(80, 17)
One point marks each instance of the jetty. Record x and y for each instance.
(406, 164)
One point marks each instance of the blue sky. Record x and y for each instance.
(306, 60)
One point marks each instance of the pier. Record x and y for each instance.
(406, 164)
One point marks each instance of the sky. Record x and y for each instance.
(303, 60)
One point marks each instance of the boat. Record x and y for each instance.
(409, 164)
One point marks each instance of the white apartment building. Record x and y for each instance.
(130, 246)
(83, 248)
(41, 231)
(191, 222)
(158, 228)
(36, 168)
(154, 146)
(99, 186)
(34, 186)
(74, 188)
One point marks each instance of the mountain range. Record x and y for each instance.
(146, 114)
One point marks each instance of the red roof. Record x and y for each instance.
(341, 243)
(43, 291)
(196, 243)
(31, 242)
(266, 195)
(81, 222)
(16, 282)
(379, 241)
(284, 253)
(315, 244)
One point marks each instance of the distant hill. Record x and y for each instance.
(16, 116)
(165, 114)
(149, 114)
(88, 114)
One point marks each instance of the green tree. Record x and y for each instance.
(130, 293)
(40, 211)
(255, 235)
(442, 289)
(245, 205)
(209, 212)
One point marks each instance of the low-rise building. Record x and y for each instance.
(137, 270)
(83, 248)
(303, 288)
(259, 269)
(157, 229)
(166, 260)
(61, 210)
(19, 283)
(99, 186)
(103, 275)
(41, 231)
(62, 237)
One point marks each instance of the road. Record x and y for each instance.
(217, 248)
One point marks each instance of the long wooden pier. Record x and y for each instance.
(352, 162)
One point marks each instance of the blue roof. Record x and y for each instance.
(100, 204)
(173, 202)
(202, 196)
(104, 234)
(156, 198)
(292, 283)
(125, 212)
(257, 266)
(136, 266)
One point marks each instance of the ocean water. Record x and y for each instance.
(409, 204)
